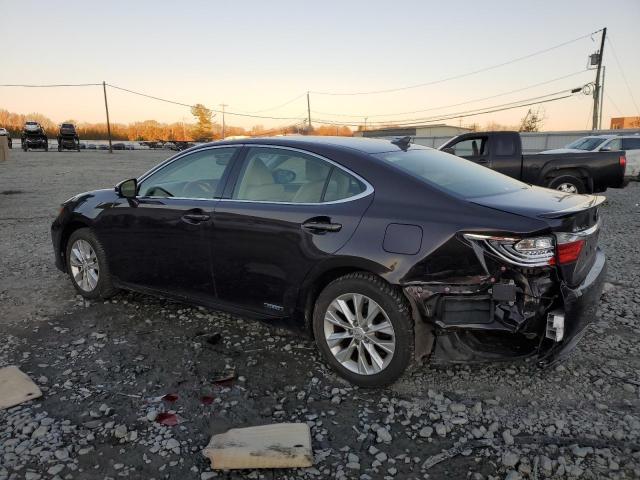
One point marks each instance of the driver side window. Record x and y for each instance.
(470, 147)
(197, 175)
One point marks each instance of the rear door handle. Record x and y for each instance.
(195, 217)
(315, 227)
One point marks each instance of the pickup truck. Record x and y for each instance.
(586, 172)
(608, 143)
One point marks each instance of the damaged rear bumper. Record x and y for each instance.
(504, 316)
(580, 306)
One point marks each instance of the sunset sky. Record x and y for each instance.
(255, 55)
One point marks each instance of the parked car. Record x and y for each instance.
(385, 252)
(569, 172)
(33, 136)
(5, 133)
(91, 146)
(118, 146)
(608, 143)
(103, 146)
(68, 137)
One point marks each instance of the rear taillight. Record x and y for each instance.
(623, 162)
(569, 252)
(524, 252)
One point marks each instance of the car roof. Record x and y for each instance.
(365, 145)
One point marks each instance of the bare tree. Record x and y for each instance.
(532, 121)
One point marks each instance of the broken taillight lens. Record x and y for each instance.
(569, 247)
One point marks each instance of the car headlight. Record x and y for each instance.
(524, 252)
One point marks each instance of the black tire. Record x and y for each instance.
(557, 183)
(395, 305)
(104, 288)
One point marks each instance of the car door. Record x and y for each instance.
(159, 240)
(288, 210)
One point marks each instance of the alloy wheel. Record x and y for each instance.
(567, 188)
(359, 334)
(83, 262)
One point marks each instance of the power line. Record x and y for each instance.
(423, 119)
(151, 96)
(462, 75)
(613, 103)
(453, 116)
(454, 104)
(624, 77)
(53, 85)
(238, 114)
(279, 105)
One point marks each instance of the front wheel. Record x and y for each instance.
(363, 329)
(567, 184)
(87, 265)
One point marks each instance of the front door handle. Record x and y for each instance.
(195, 217)
(317, 227)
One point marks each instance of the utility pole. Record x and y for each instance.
(604, 69)
(309, 113)
(106, 107)
(223, 105)
(596, 90)
(365, 122)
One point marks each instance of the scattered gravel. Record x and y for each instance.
(103, 365)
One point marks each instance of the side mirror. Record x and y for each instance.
(449, 150)
(127, 188)
(605, 149)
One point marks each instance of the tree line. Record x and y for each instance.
(152, 130)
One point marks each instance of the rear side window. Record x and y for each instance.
(342, 185)
(613, 145)
(451, 173)
(631, 143)
(280, 175)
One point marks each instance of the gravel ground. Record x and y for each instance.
(102, 365)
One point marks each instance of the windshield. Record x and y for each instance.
(587, 143)
(452, 174)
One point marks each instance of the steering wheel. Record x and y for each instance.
(199, 187)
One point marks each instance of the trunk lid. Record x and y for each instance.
(571, 218)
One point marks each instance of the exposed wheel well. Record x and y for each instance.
(66, 234)
(314, 290)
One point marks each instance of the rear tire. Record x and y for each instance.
(87, 266)
(567, 184)
(372, 345)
